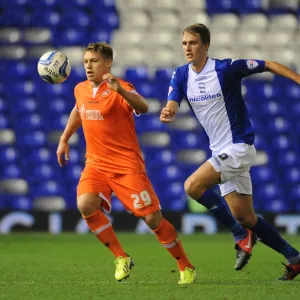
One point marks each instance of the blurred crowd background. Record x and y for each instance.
(146, 37)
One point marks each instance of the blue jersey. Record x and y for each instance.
(215, 96)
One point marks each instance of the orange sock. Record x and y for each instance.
(100, 225)
(167, 236)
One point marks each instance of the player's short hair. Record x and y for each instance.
(201, 30)
(103, 48)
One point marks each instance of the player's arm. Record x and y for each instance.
(168, 113)
(63, 148)
(279, 69)
(175, 95)
(136, 101)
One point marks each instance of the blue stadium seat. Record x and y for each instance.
(22, 203)
(283, 142)
(116, 204)
(75, 18)
(262, 174)
(279, 125)
(30, 123)
(291, 176)
(272, 109)
(270, 191)
(145, 88)
(292, 91)
(287, 159)
(189, 140)
(160, 158)
(134, 74)
(279, 205)
(47, 188)
(27, 105)
(39, 156)
(44, 172)
(4, 121)
(174, 190)
(3, 105)
(32, 139)
(250, 6)
(8, 155)
(108, 21)
(152, 123)
(72, 173)
(59, 122)
(221, 6)
(20, 71)
(100, 35)
(21, 89)
(70, 37)
(168, 174)
(59, 105)
(10, 171)
(164, 74)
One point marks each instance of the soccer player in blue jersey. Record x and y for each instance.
(212, 88)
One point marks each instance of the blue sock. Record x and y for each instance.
(214, 203)
(269, 235)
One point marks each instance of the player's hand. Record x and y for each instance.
(63, 149)
(167, 115)
(112, 82)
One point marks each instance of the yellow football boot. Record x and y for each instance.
(123, 266)
(187, 276)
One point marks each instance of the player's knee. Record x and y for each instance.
(192, 188)
(247, 221)
(86, 205)
(153, 220)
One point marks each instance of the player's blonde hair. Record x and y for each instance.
(201, 30)
(103, 48)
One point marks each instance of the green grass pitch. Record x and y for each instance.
(69, 266)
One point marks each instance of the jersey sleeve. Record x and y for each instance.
(246, 67)
(175, 89)
(75, 96)
(127, 86)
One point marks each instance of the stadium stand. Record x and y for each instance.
(146, 39)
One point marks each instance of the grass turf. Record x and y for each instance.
(69, 266)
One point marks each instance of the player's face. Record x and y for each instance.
(194, 49)
(95, 66)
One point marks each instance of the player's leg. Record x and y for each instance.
(137, 195)
(168, 238)
(197, 187)
(242, 208)
(91, 185)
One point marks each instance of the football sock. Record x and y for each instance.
(167, 236)
(269, 235)
(100, 225)
(213, 202)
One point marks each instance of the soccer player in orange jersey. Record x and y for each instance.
(104, 108)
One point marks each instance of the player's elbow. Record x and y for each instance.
(144, 108)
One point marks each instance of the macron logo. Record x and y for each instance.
(204, 98)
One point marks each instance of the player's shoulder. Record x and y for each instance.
(181, 72)
(223, 63)
(82, 85)
(126, 84)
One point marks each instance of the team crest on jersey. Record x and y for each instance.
(105, 93)
(252, 64)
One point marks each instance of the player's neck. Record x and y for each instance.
(198, 67)
(96, 84)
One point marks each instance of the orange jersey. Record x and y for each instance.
(109, 129)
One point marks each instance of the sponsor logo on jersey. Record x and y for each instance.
(252, 64)
(90, 114)
(205, 97)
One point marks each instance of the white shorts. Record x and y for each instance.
(234, 163)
